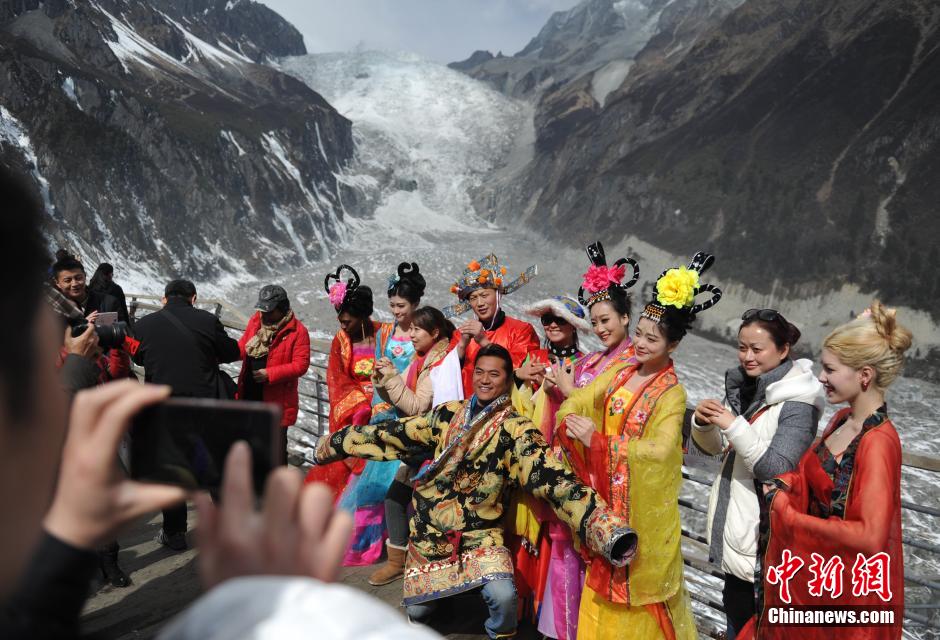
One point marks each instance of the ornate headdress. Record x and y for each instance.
(407, 271)
(486, 273)
(340, 290)
(563, 307)
(678, 287)
(600, 278)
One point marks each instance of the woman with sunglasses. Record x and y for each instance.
(537, 556)
(768, 420)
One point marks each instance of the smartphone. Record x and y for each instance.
(106, 318)
(184, 441)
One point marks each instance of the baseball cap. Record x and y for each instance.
(270, 297)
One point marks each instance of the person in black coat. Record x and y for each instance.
(103, 282)
(181, 346)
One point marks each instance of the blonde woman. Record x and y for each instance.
(841, 507)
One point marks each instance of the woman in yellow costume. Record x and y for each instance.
(549, 570)
(623, 436)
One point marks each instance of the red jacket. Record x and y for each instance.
(516, 336)
(288, 360)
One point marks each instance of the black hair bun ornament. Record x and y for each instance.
(600, 278)
(340, 289)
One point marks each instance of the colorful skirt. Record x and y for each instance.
(601, 619)
(364, 497)
(561, 601)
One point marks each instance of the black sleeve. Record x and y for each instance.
(78, 373)
(48, 600)
(226, 348)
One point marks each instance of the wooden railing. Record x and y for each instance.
(313, 422)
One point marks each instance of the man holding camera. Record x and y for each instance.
(70, 279)
(181, 346)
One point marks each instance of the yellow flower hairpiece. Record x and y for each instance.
(677, 288)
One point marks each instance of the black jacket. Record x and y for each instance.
(99, 301)
(170, 357)
(115, 291)
(49, 598)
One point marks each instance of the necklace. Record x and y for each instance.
(563, 352)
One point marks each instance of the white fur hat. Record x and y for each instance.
(563, 307)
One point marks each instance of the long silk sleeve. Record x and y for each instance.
(878, 470)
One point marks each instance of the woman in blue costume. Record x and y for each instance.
(394, 351)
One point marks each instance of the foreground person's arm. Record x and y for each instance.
(93, 500)
(273, 566)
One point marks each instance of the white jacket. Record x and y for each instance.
(772, 445)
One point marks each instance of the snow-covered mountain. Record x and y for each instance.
(157, 138)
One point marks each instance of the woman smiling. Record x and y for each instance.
(623, 434)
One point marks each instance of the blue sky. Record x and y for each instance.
(442, 30)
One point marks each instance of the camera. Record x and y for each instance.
(109, 336)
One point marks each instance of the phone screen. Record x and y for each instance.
(106, 318)
(184, 441)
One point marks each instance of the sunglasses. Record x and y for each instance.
(767, 315)
(548, 319)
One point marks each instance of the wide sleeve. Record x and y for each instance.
(538, 472)
(523, 400)
(664, 431)
(865, 529)
(409, 438)
(524, 342)
(299, 359)
(346, 395)
(588, 401)
(796, 428)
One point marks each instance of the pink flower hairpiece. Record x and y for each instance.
(599, 278)
(337, 293)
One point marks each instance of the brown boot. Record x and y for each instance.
(393, 568)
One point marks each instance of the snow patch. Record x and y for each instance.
(230, 138)
(132, 47)
(609, 78)
(68, 88)
(320, 142)
(202, 49)
(288, 226)
(13, 132)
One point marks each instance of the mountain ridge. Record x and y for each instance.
(156, 136)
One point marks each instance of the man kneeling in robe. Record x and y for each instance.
(480, 449)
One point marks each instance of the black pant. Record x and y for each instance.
(738, 600)
(174, 520)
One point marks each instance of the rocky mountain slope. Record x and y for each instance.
(155, 135)
(797, 140)
(595, 44)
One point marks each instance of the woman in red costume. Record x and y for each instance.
(839, 511)
(349, 368)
